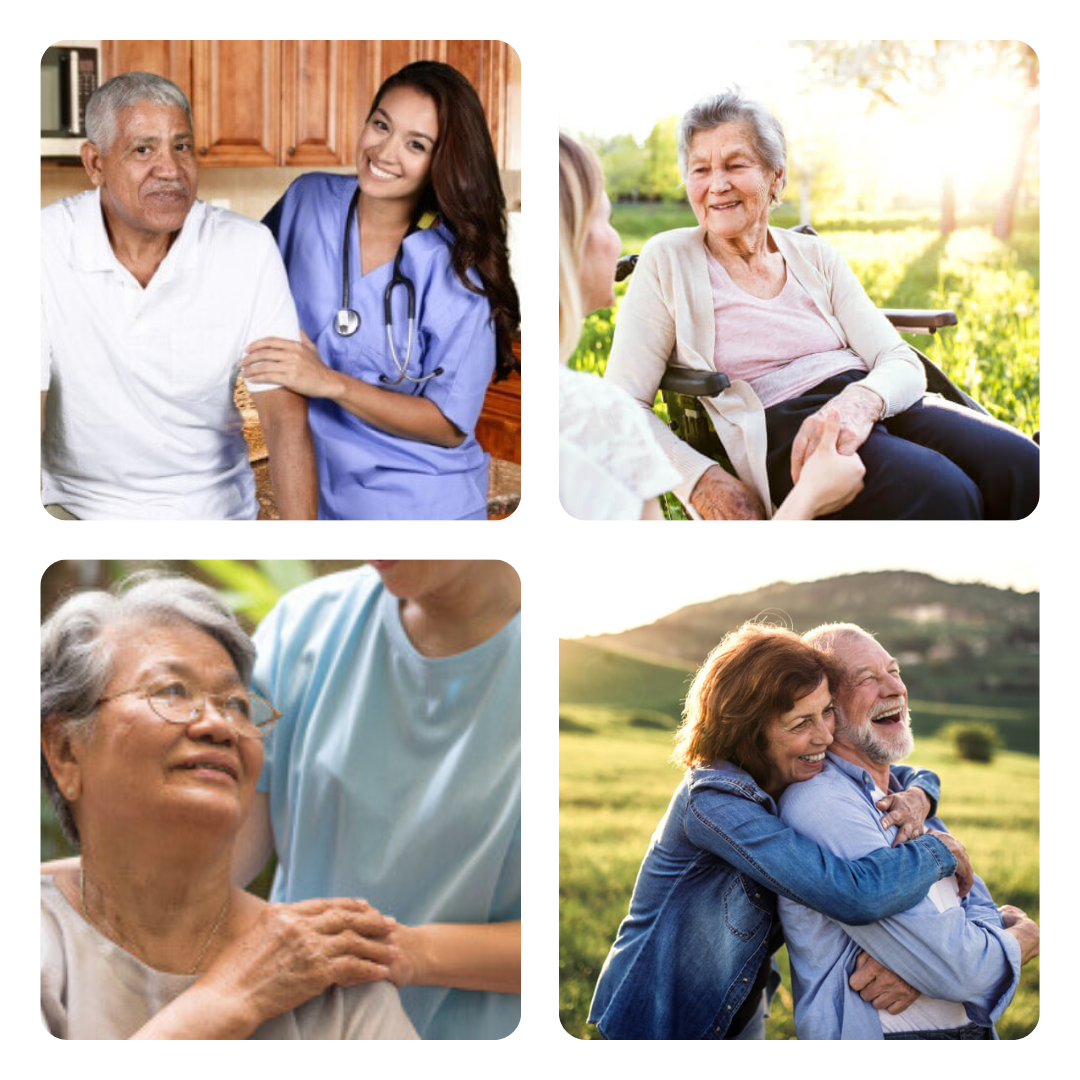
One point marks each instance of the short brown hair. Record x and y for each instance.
(756, 673)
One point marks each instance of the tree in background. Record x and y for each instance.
(662, 179)
(623, 162)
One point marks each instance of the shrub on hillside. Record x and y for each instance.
(973, 741)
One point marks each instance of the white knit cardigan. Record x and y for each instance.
(667, 317)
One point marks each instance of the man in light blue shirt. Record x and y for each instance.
(963, 955)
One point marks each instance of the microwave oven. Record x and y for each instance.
(70, 73)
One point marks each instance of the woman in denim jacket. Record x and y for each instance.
(692, 959)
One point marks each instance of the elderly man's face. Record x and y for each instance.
(871, 704)
(728, 184)
(148, 176)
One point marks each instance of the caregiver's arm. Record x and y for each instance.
(405, 415)
(466, 956)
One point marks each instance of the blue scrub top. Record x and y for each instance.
(366, 473)
(395, 776)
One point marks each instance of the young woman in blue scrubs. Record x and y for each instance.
(393, 422)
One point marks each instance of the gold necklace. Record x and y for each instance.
(206, 944)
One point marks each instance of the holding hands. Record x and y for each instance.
(857, 410)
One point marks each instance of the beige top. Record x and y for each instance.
(93, 989)
(667, 317)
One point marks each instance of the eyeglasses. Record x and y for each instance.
(252, 716)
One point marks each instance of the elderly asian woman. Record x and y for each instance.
(151, 748)
(784, 317)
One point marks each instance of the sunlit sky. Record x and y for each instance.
(974, 124)
(619, 590)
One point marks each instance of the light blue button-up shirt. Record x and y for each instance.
(961, 954)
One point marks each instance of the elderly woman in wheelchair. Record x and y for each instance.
(782, 316)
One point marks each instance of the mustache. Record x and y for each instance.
(169, 187)
(889, 706)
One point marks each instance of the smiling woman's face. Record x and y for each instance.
(728, 184)
(798, 739)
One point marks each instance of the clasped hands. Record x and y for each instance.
(856, 410)
(825, 467)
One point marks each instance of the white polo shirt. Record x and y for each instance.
(140, 418)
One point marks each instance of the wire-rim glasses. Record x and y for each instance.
(172, 700)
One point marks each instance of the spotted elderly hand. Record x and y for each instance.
(907, 810)
(857, 409)
(719, 496)
(296, 365)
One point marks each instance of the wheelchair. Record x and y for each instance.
(681, 389)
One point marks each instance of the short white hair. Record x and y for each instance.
(828, 637)
(730, 106)
(123, 91)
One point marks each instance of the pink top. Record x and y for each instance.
(782, 347)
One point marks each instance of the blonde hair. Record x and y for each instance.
(581, 185)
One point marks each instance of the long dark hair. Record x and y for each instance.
(465, 193)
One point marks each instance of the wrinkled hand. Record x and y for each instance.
(965, 875)
(1011, 915)
(881, 987)
(293, 952)
(908, 811)
(719, 496)
(295, 365)
(857, 408)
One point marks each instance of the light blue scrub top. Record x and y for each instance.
(395, 777)
(366, 473)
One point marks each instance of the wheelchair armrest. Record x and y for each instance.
(914, 321)
(625, 267)
(694, 383)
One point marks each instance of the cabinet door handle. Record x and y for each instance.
(203, 151)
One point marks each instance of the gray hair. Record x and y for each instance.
(828, 637)
(729, 106)
(123, 91)
(77, 663)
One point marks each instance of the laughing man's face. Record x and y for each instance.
(871, 705)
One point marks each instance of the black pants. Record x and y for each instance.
(934, 461)
(969, 1031)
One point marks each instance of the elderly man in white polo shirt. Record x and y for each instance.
(148, 298)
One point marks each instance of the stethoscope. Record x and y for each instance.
(347, 320)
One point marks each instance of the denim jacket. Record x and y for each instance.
(704, 903)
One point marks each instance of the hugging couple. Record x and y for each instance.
(794, 824)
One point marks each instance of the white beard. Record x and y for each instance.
(877, 746)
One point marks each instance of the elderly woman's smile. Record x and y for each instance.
(730, 190)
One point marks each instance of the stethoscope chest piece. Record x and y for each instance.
(346, 322)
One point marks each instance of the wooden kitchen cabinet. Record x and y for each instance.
(303, 103)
